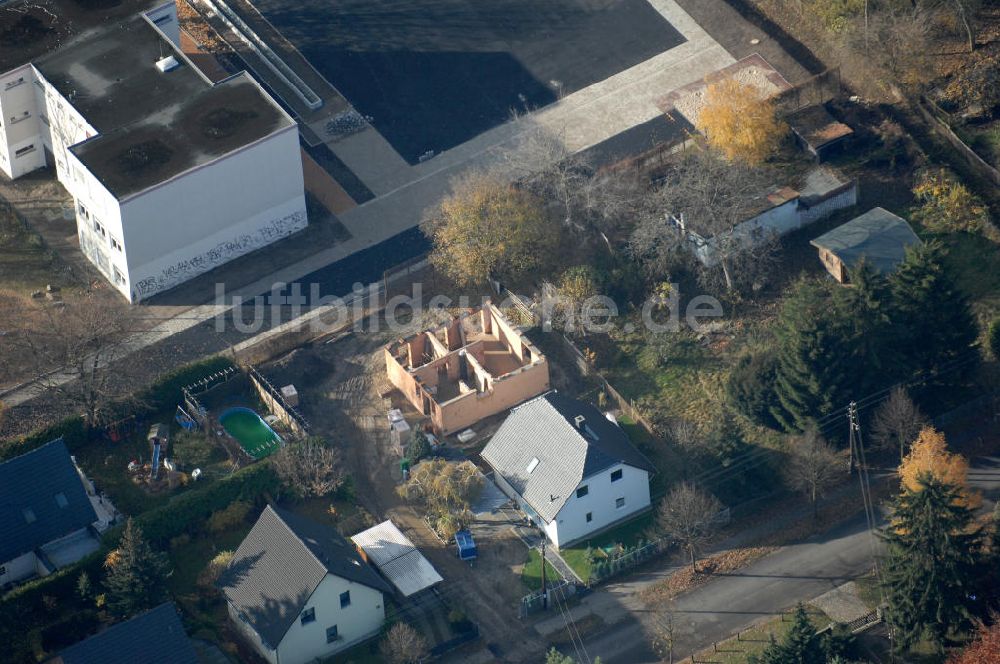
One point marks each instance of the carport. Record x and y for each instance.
(395, 556)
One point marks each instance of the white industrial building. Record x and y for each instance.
(171, 174)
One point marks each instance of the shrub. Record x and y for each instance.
(751, 388)
(419, 447)
(76, 626)
(947, 205)
(71, 430)
(184, 513)
(230, 517)
(993, 338)
(213, 570)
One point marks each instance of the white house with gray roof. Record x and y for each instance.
(573, 471)
(299, 592)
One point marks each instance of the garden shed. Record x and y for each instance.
(878, 236)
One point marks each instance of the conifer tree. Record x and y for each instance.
(865, 308)
(931, 315)
(136, 574)
(932, 569)
(812, 373)
(801, 643)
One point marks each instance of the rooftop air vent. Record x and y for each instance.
(167, 64)
(579, 420)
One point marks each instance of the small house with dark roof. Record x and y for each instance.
(298, 591)
(153, 637)
(569, 468)
(46, 515)
(878, 237)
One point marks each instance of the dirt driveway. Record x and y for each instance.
(346, 407)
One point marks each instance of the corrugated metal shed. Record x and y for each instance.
(389, 550)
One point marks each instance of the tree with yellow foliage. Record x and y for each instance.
(489, 229)
(929, 455)
(740, 122)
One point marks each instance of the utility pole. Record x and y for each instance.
(545, 594)
(852, 419)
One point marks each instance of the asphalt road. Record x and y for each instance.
(733, 601)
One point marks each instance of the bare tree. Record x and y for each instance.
(588, 200)
(812, 468)
(75, 352)
(710, 197)
(310, 467)
(899, 41)
(897, 422)
(403, 645)
(664, 631)
(691, 516)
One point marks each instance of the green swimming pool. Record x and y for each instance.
(252, 433)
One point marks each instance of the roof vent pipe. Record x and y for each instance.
(579, 420)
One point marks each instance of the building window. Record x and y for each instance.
(45, 120)
(82, 211)
(29, 515)
(115, 244)
(590, 517)
(39, 84)
(582, 491)
(27, 149)
(3, 570)
(619, 503)
(15, 83)
(119, 277)
(345, 599)
(331, 634)
(24, 116)
(308, 616)
(617, 475)
(61, 500)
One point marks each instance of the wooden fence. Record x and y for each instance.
(626, 406)
(276, 403)
(941, 122)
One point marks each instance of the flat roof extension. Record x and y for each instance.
(152, 125)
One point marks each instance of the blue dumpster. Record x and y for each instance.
(466, 545)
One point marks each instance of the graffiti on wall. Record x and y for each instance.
(221, 253)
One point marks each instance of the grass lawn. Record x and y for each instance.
(531, 574)
(106, 464)
(627, 534)
(190, 559)
(754, 640)
(26, 263)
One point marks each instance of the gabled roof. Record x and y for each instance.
(542, 435)
(41, 499)
(279, 565)
(398, 558)
(154, 637)
(878, 236)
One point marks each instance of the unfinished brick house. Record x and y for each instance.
(476, 365)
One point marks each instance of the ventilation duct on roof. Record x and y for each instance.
(167, 64)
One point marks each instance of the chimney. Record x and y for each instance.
(579, 420)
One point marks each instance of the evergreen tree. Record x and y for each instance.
(813, 369)
(865, 309)
(932, 316)
(932, 569)
(136, 574)
(802, 645)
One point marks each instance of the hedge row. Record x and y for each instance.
(159, 395)
(186, 512)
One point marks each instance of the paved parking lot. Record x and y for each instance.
(434, 73)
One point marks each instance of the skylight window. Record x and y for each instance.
(61, 500)
(533, 464)
(29, 515)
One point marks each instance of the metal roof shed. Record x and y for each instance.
(400, 562)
